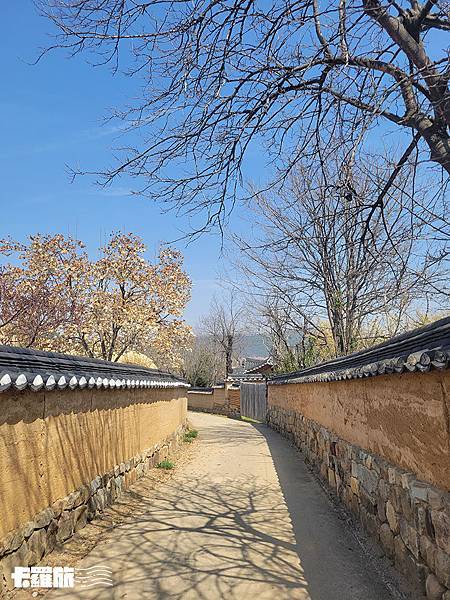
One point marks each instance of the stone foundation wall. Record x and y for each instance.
(55, 524)
(408, 517)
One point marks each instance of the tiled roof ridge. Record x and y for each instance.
(267, 362)
(23, 368)
(418, 350)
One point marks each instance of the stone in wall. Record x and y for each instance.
(56, 524)
(410, 519)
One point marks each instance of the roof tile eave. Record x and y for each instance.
(420, 350)
(23, 368)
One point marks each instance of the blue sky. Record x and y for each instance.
(51, 117)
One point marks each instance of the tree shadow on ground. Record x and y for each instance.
(198, 539)
(213, 537)
(336, 563)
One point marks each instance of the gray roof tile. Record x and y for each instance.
(24, 368)
(419, 350)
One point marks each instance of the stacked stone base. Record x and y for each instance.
(219, 409)
(57, 523)
(410, 519)
(234, 413)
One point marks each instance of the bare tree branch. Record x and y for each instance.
(222, 77)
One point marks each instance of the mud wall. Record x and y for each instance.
(234, 399)
(54, 444)
(219, 400)
(402, 418)
(201, 400)
(213, 400)
(382, 445)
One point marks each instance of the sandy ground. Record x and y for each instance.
(240, 517)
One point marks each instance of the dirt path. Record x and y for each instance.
(243, 519)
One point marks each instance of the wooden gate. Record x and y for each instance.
(254, 401)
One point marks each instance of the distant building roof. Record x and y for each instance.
(253, 369)
(266, 366)
(238, 371)
(252, 362)
(245, 377)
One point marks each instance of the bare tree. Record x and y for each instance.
(309, 260)
(224, 326)
(202, 364)
(290, 342)
(221, 76)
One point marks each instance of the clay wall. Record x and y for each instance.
(382, 445)
(234, 399)
(219, 400)
(200, 400)
(403, 418)
(66, 454)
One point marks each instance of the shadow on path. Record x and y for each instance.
(244, 519)
(334, 564)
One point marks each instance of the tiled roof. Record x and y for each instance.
(253, 362)
(419, 350)
(238, 371)
(23, 368)
(245, 377)
(265, 363)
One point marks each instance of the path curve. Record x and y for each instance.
(244, 519)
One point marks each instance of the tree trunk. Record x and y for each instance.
(438, 142)
(229, 355)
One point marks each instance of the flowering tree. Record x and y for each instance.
(56, 298)
(40, 296)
